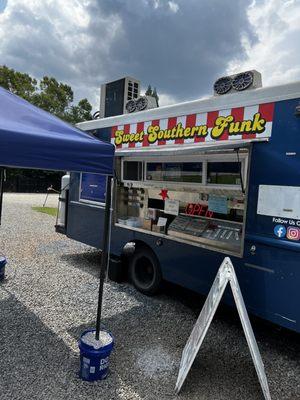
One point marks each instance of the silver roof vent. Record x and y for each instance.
(238, 82)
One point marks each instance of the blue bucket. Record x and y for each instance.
(94, 361)
(2, 267)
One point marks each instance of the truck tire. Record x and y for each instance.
(144, 271)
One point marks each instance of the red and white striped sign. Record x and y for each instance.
(228, 124)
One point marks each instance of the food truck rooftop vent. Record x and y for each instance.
(238, 82)
(123, 96)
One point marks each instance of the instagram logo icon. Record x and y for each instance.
(293, 233)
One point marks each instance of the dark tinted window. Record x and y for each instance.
(132, 171)
(175, 172)
(223, 173)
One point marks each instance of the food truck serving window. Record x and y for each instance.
(224, 173)
(198, 199)
(174, 171)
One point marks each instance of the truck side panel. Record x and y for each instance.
(267, 292)
(85, 221)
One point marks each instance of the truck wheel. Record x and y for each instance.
(144, 271)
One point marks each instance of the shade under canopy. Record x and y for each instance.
(33, 138)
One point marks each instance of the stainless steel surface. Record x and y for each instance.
(187, 240)
(220, 234)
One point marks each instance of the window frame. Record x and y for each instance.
(204, 158)
(126, 159)
(173, 162)
(242, 160)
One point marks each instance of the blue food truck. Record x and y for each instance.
(198, 181)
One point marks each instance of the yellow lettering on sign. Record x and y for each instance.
(187, 132)
(152, 133)
(202, 130)
(121, 138)
(194, 130)
(222, 124)
(118, 137)
(256, 125)
(177, 132)
(259, 124)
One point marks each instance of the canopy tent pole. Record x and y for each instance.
(1, 190)
(104, 256)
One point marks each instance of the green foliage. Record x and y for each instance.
(48, 94)
(18, 83)
(148, 91)
(153, 93)
(81, 112)
(46, 210)
(53, 97)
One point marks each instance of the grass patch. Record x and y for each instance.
(46, 210)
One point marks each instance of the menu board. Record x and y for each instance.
(171, 207)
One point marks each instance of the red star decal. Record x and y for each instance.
(164, 194)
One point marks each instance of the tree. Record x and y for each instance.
(53, 96)
(18, 83)
(50, 95)
(153, 93)
(148, 91)
(81, 112)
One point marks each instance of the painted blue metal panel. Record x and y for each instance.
(270, 165)
(85, 222)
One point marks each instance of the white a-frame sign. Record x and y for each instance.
(225, 274)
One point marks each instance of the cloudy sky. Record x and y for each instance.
(179, 46)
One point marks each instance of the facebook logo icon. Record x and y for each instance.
(280, 231)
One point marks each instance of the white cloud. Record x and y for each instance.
(166, 99)
(171, 44)
(53, 38)
(174, 7)
(277, 53)
(48, 24)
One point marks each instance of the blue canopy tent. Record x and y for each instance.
(32, 138)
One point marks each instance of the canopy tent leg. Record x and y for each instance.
(104, 256)
(1, 190)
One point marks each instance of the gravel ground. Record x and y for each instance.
(49, 298)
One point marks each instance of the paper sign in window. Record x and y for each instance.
(218, 204)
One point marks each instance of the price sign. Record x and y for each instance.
(171, 207)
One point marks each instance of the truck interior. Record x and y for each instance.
(199, 199)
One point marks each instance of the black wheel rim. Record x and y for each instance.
(144, 272)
